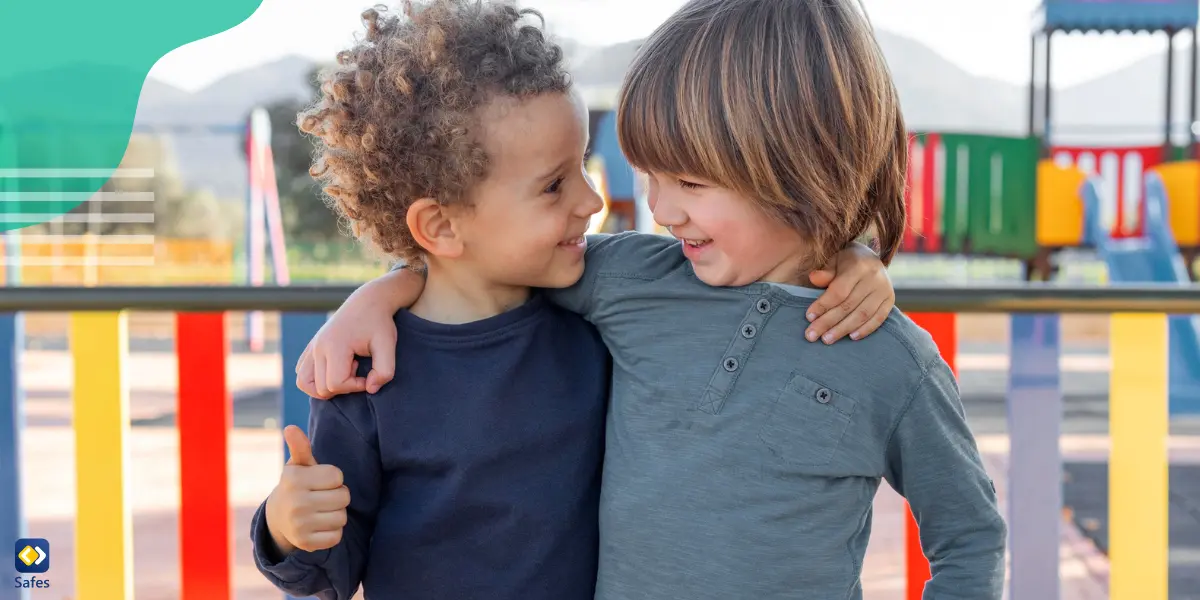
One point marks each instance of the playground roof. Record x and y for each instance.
(1116, 15)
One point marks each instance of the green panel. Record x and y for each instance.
(955, 211)
(998, 177)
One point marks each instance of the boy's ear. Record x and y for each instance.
(433, 228)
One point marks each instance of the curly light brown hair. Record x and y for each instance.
(398, 117)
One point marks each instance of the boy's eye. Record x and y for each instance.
(553, 187)
(689, 185)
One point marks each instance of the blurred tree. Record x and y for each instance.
(306, 216)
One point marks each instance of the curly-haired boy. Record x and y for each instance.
(450, 139)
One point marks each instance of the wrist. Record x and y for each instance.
(396, 290)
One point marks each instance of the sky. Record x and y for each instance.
(985, 37)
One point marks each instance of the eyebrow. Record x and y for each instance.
(552, 172)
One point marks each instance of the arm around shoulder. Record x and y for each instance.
(934, 462)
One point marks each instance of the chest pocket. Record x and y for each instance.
(807, 421)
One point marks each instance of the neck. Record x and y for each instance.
(789, 272)
(453, 296)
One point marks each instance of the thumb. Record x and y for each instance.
(298, 447)
(821, 278)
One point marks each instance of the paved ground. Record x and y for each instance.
(256, 455)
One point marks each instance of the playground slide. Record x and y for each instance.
(1153, 258)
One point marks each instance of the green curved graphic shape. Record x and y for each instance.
(70, 79)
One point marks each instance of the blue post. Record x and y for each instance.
(296, 329)
(1035, 409)
(12, 521)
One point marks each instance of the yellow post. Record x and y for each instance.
(1137, 467)
(103, 532)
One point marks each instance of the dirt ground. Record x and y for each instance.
(973, 328)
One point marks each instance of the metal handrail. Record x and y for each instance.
(1034, 298)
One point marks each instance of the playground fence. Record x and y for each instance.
(1138, 398)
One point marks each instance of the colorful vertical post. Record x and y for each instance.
(295, 331)
(1138, 462)
(12, 521)
(943, 328)
(1035, 410)
(205, 415)
(103, 533)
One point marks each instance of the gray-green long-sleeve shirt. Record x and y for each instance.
(742, 461)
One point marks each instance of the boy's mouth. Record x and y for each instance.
(573, 242)
(695, 243)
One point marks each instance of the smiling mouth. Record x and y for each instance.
(695, 243)
(575, 241)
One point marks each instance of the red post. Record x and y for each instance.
(930, 215)
(943, 327)
(909, 243)
(205, 416)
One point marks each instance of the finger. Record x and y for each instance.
(320, 540)
(330, 500)
(836, 302)
(338, 376)
(324, 521)
(319, 373)
(305, 377)
(857, 319)
(881, 314)
(383, 362)
(299, 448)
(322, 478)
(306, 355)
(836, 292)
(356, 383)
(821, 278)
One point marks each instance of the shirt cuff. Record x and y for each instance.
(298, 567)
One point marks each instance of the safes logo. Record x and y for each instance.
(30, 556)
(33, 555)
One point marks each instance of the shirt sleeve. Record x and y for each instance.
(934, 463)
(349, 444)
(609, 258)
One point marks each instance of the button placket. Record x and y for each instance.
(745, 336)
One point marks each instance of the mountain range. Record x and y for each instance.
(1125, 106)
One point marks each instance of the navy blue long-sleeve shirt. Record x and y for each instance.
(474, 473)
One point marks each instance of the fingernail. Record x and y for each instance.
(828, 338)
(812, 336)
(854, 336)
(811, 316)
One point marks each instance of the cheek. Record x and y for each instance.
(748, 237)
(539, 228)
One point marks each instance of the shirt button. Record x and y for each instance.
(730, 364)
(749, 331)
(824, 396)
(763, 306)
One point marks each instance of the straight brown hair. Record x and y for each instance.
(787, 102)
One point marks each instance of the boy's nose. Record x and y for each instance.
(665, 212)
(593, 202)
